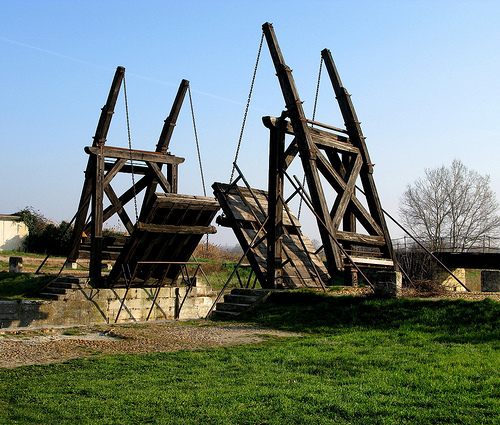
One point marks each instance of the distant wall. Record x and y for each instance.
(449, 282)
(12, 233)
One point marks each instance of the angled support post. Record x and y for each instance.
(307, 150)
(164, 142)
(356, 137)
(99, 140)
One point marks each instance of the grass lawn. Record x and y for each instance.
(15, 286)
(360, 361)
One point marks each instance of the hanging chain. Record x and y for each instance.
(317, 89)
(198, 151)
(313, 118)
(246, 109)
(130, 148)
(197, 144)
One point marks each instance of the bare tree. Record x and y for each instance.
(450, 208)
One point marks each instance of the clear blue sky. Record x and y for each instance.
(423, 75)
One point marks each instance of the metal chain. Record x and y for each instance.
(300, 201)
(317, 89)
(313, 118)
(199, 154)
(130, 149)
(246, 109)
(197, 144)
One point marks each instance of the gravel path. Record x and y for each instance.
(43, 346)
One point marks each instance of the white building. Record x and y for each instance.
(12, 232)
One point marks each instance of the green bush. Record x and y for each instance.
(44, 236)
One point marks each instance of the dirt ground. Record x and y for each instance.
(52, 265)
(54, 345)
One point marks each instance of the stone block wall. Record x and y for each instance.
(88, 305)
(449, 282)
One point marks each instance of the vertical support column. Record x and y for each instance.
(97, 218)
(172, 177)
(388, 284)
(275, 206)
(349, 225)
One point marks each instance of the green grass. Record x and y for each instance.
(27, 254)
(22, 285)
(359, 361)
(218, 273)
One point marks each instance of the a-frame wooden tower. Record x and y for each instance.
(169, 225)
(334, 157)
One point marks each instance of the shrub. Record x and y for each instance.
(44, 236)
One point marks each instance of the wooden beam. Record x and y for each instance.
(164, 228)
(97, 218)
(158, 176)
(307, 149)
(110, 193)
(356, 137)
(164, 142)
(359, 238)
(324, 139)
(338, 183)
(124, 198)
(115, 169)
(135, 155)
(380, 262)
(326, 136)
(99, 139)
(274, 226)
(343, 199)
(168, 127)
(139, 170)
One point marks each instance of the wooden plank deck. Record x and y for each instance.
(171, 230)
(245, 213)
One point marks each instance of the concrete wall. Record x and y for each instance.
(388, 284)
(449, 282)
(490, 281)
(96, 306)
(12, 233)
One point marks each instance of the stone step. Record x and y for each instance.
(238, 308)
(71, 279)
(49, 296)
(63, 284)
(251, 292)
(220, 314)
(240, 299)
(54, 290)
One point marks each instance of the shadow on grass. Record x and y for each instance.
(448, 320)
(22, 285)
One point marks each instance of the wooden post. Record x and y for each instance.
(15, 264)
(97, 218)
(164, 142)
(349, 225)
(275, 206)
(357, 139)
(306, 149)
(99, 140)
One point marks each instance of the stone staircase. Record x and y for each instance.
(238, 301)
(62, 286)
